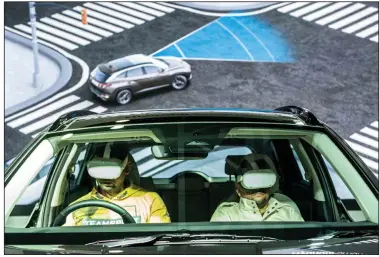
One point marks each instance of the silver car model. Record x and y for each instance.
(119, 80)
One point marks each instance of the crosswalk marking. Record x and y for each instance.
(71, 29)
(99, 109)
(142, 8)
(94, 21)
(369, 163)
(366, 146)
(374, 38)
(361, 24)
(325, 11)
(369, 31)
(365, 140)
(65, 28)
(308, 9)
(48, 37)
(340, 14)
(127, 10)
(77, 23)
(362, 149)
(352, 18)
(370, 132)
(100, 16)
(291, 7)
(43, 111)
(119, 15)
(52, 30)
(158, 6)
(49, 120)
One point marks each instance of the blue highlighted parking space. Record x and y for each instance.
(244, 38)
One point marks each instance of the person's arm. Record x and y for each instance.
(220, 215)
(295, 215)
(69, 221)
(158, 211)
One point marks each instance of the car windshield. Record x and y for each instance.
(198, 172)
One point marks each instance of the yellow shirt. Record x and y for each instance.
(142, 205)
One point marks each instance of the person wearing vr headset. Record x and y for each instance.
(255, 188)
(114, 184)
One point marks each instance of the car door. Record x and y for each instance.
(136, 78)
(155, 77)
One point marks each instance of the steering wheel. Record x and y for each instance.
(126, 217)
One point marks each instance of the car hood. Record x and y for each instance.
(365, 245)
(175, 63)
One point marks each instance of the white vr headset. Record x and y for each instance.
(106, 168)
(257, 179)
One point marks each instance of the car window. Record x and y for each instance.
(213, 166)
(342, 190)
(301, 167)
(151, 69)
(121, 75)
(134, 72)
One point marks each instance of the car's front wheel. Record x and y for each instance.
(124, 96)
(180, 82)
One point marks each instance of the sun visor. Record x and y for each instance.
(256, 179)
(104, 168)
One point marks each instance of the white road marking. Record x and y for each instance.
(62, 34)
(369, 163)
(215, 14)
(374, 124)
(365, 140)
(158, 6)
(119, 15)
(99, 109)
(259, 41)
(325, 11)
(43, 111)
(36, 134)
(142, 8)
(362, 149)
(370, 132)
(291, 7)
(368, 32)
(352, 18)
(82, 81)
(161, 167)
(142, 154)
(128, 11)
(94, 21)
(361, 24)
(79, 24)
(308, 9)
(340, 14)
(49, 120)
(237, 39)
(71, 29)
(48, 37)
(106, 18)
(179, 50)
(150, 164)
(374, 38)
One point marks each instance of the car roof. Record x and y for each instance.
(278, 116)
(125, 62)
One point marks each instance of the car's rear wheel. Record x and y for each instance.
(180, 82)
(124, 96)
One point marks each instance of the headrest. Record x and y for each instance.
(104, 168)
(256, 179)
(232, 164)
(190, 182)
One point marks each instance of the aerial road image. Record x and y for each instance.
(158, 127)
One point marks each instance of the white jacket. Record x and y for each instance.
(247, 210)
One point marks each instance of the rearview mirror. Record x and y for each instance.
(180, 152)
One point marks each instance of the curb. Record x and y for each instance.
(225, 7)
(64, 77)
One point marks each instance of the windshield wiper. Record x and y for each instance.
(171, 238)
(346, 234)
